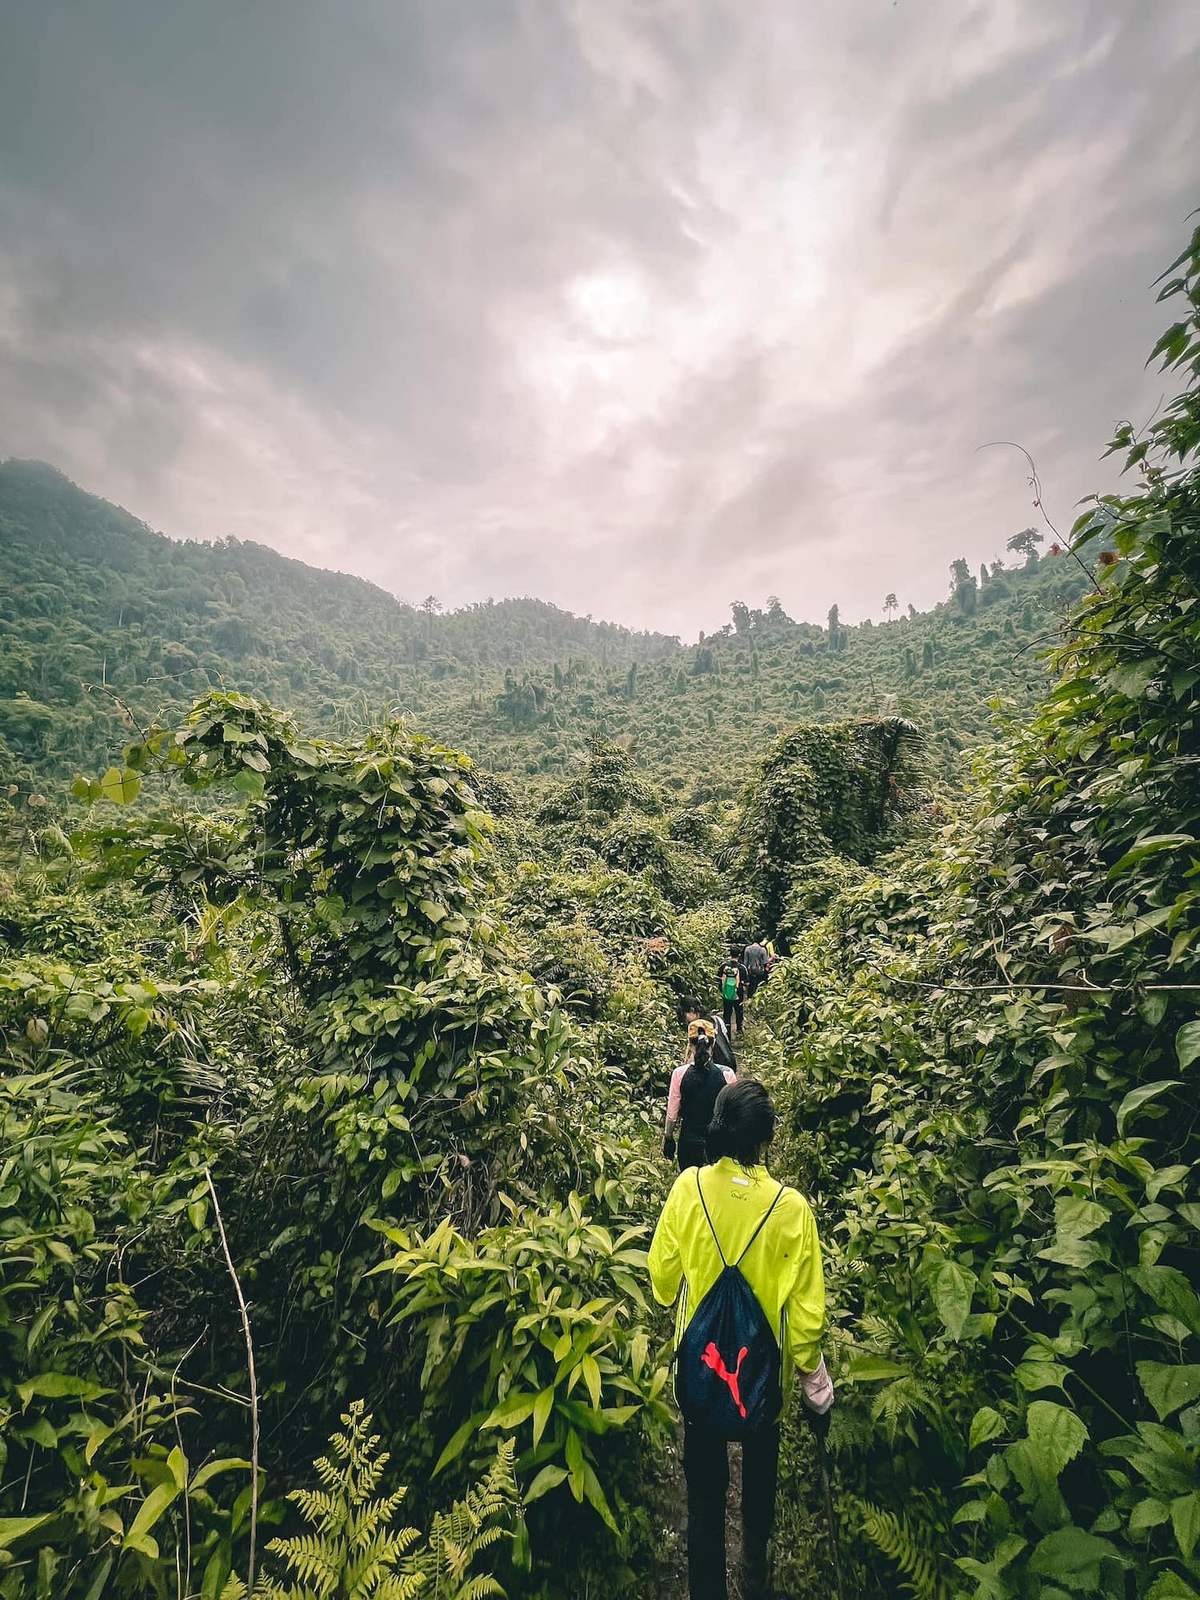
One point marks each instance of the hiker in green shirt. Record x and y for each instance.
(732, 1215)
(732, 978)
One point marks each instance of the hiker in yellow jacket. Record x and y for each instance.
(733, 1212)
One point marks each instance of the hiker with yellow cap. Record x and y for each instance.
(695, 1085)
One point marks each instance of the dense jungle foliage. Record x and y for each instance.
(333, 1065)
(105, 626)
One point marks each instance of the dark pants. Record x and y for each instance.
(754, 982)
(706, 1468)
(732, 1009)
(691, 1153)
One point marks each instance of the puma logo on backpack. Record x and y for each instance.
(712, 1359)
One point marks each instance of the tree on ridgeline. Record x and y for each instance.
(1026, 544)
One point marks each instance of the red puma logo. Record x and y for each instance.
(711, 1358)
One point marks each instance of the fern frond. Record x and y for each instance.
(351, 1547)
(894, 1537)
(472, 1526)
(899, 1400)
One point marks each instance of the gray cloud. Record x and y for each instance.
(641, 308)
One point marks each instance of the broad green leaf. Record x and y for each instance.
(511, 1413)
(1137, 1098)
(137, 1020)
(871, 1369)
(638, 1350)
(548, 1478)
(249, 783)
(1187, 1044)
(970, 1511)
(119, 787)
(1149, 847)
(152, 1508)
(99, 1435)
(986, 1424)
(542, 1407)
(210, 1469)
(14, 1528)
(1147, 1514)
(1071, 1556)
(1168, 1388)
(574, 1455)
(591, 1376)
(40, 1323)
(1076, 1217)
(952, 1290)
(1034, 1375)
(1132, 680)
(595, 1498)
(1056, 1435)
(1071, 1251)
(1170, 1290)
(99, 1584)
(1169, 1586)
(1185, 1519)
(457, 1441)
(59, 1386)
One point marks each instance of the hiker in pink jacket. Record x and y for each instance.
(695, 1085)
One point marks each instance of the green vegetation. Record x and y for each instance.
(332, 1068)
(108, 626)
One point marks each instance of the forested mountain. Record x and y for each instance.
(104, 620)
(99, 611)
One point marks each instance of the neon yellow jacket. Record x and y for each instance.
(783, 1265)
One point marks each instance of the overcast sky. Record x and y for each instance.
(641, 306)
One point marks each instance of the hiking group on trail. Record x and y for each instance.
(738, 1254)
(740, 977)
(709, 1061)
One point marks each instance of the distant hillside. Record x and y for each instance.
(102, 618)
(704, 712)
(97, 609)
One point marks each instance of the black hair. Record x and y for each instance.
(696, 1073)
(692, 1005)
(743, 1122)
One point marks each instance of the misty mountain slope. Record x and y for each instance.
(703, 713)
(96, 606)
(102, 619)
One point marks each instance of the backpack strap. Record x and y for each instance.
(761, 1225)
(762, 1222)
(709, 1220)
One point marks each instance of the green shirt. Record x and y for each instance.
(783, 1265)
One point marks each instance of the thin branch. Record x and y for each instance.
(245, 1315)
(183, 1577)
(1051, 988)
(1035, 484)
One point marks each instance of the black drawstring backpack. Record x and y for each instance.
(728, 1365)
